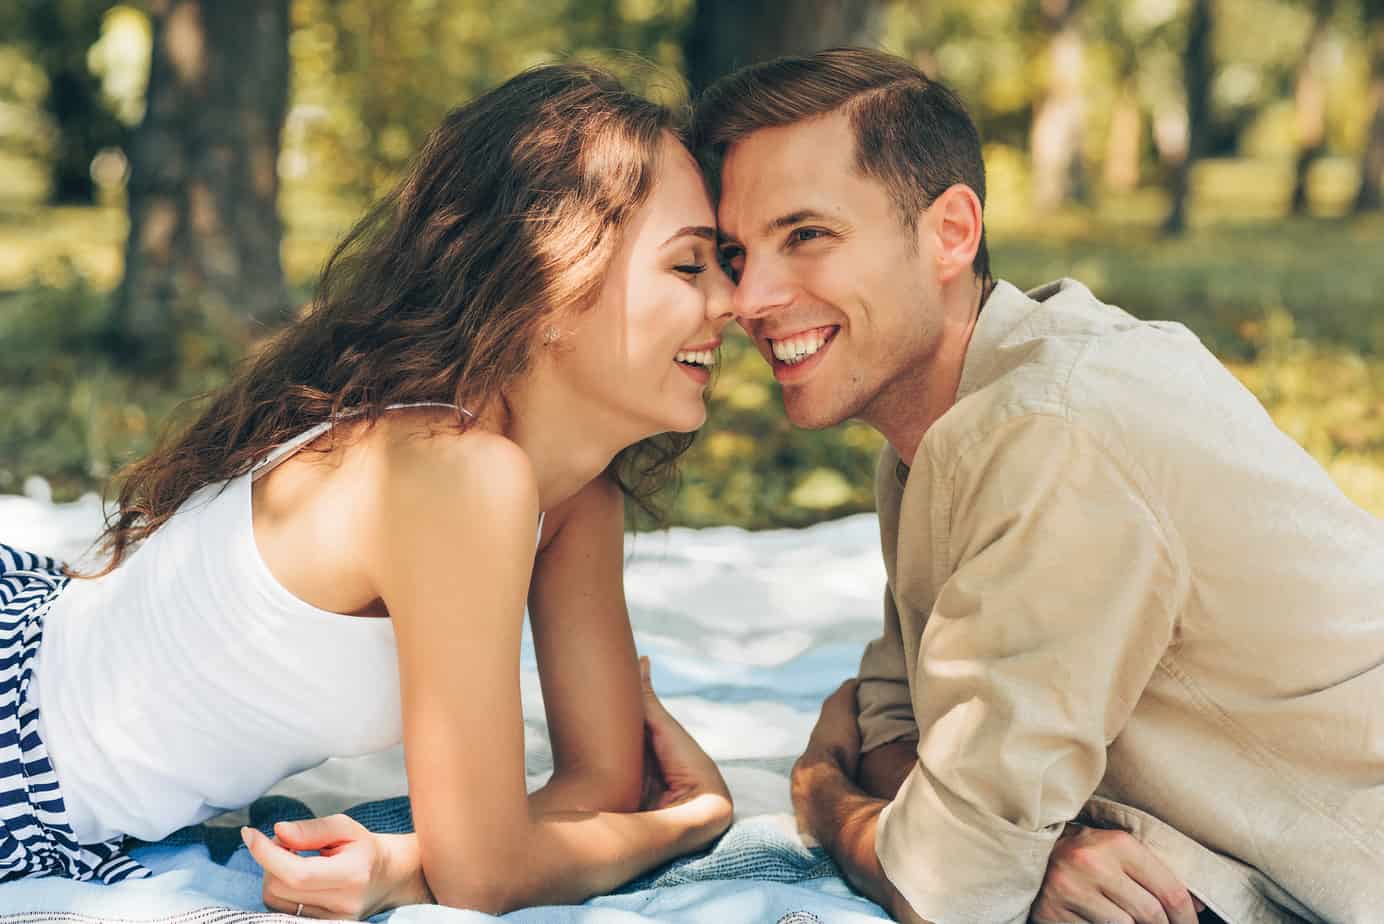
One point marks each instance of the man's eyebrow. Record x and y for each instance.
(783, 221)
(701, 231)
(793, 218)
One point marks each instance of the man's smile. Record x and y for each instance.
(795, 356)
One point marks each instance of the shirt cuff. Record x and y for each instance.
(882, 730)
(955, 864)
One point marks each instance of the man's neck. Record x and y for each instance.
(908, 407)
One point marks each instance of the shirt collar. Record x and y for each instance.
(1005, 309)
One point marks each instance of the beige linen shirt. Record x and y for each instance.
(1117, 592)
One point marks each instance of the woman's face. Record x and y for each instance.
(645, 348)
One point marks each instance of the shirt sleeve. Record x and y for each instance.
(886, 708)
(1060, 604)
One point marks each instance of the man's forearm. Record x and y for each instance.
(844, 819)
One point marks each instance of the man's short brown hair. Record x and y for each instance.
(912, 133)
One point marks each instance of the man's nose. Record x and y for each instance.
(763, 287)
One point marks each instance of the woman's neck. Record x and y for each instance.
(569, 440)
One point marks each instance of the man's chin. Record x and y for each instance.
(810, 415)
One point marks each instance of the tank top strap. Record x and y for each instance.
(285, 449)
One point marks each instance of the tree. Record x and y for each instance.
(1309, 99)
(58, 35)
(203, 190)
(1369, 198)
(1196, 81)
(727, 34)
(1059, 119)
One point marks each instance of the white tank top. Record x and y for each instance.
(189, 681)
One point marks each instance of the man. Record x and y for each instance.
(1117, 593)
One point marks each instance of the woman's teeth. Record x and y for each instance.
(795, 349)
(696, 357)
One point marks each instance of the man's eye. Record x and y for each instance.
(801, 235)
(731, 257)
(692, 269)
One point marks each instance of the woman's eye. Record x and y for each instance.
(692, 269)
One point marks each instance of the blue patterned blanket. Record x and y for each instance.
(203, 875)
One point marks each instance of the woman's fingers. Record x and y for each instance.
(656, 715)
(653, 706)
(279, 862)
(319, 833)
(332, 888)
(307, 910)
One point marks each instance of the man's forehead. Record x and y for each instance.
(781, 170)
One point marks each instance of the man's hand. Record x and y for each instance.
(837, 732)
(1099, 875)
(883, 769)
(834, 811)
(834, 747)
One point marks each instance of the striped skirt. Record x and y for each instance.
(36, 839)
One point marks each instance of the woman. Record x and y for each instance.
(338, 553)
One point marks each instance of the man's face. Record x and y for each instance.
(835, 291)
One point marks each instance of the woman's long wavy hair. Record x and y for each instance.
(508, 217)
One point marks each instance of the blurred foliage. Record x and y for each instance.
(74, 414)
(1292, 306)
(372, 77)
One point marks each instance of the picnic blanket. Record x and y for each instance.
(747, 633)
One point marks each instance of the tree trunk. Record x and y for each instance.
(204, 224)
(728, 34)
(60, 38)
(1196, 78)
(1125, 142)
(1369, 198)
(1059, 122)
(1309, 101)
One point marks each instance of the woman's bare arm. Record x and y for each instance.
(453, 567)
(586, 657)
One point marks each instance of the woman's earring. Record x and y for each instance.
(550, 335)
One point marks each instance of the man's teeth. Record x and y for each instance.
(796, 349)
(696, 357)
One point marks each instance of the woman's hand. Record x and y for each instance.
(1101, 875)
(356, 875)
(676, 769)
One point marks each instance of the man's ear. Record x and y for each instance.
(955, 221)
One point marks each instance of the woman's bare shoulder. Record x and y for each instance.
(432, 472)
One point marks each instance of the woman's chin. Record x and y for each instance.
(692, 420)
